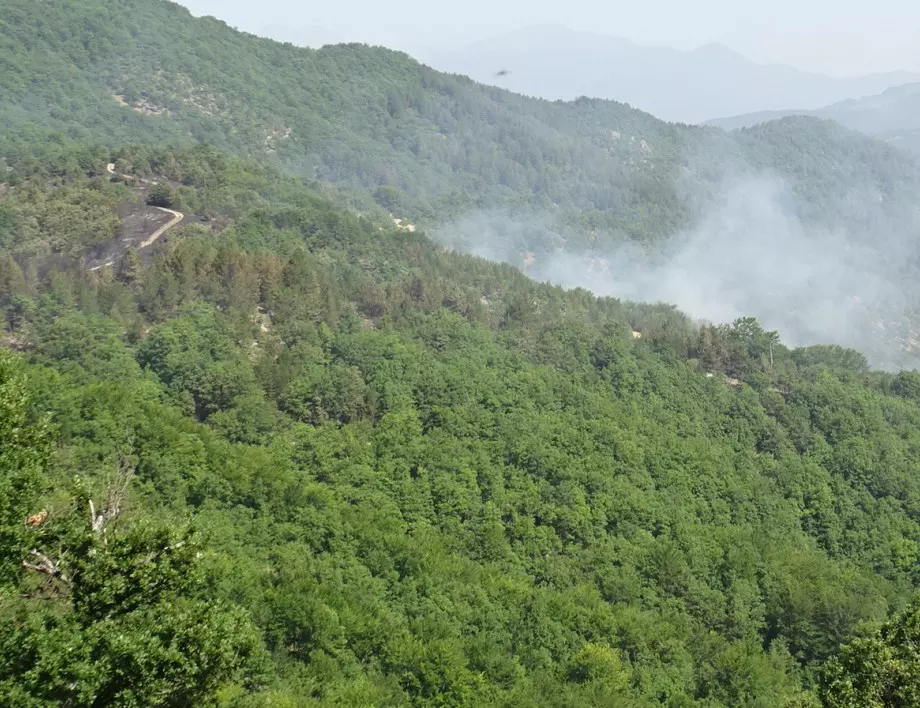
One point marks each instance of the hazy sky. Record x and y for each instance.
(839, 37)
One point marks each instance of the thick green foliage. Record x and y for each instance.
(92, 618)
(431, 481)
(878, 671)
(24, 451)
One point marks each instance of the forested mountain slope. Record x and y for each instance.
(334, 464)
(545, 180)
(433, 145)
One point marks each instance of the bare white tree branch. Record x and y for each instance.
(114, 505)
(115, 499)
(46, 566)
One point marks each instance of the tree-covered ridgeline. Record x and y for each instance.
(428, 146)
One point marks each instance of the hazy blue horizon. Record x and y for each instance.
(843, 38)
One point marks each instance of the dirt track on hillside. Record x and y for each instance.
(176, 219)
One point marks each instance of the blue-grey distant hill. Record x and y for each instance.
(893, 115)
(554, 62)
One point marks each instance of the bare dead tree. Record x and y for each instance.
(116, 494)
(115, 497)
(46, 566)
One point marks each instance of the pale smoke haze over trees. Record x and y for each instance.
(840, 269)
(748, 257)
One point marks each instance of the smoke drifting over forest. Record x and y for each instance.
(750, 255)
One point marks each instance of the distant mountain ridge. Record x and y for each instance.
(554, 62)
(428, 145)
(893, 116)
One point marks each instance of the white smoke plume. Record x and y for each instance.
(750, 255)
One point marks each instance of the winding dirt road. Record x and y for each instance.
(177, 217)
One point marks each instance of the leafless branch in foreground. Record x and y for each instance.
(115, 498)
(46, 566)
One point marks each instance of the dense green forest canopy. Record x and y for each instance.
(332, 463)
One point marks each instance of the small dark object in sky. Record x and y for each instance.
(502, 72)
